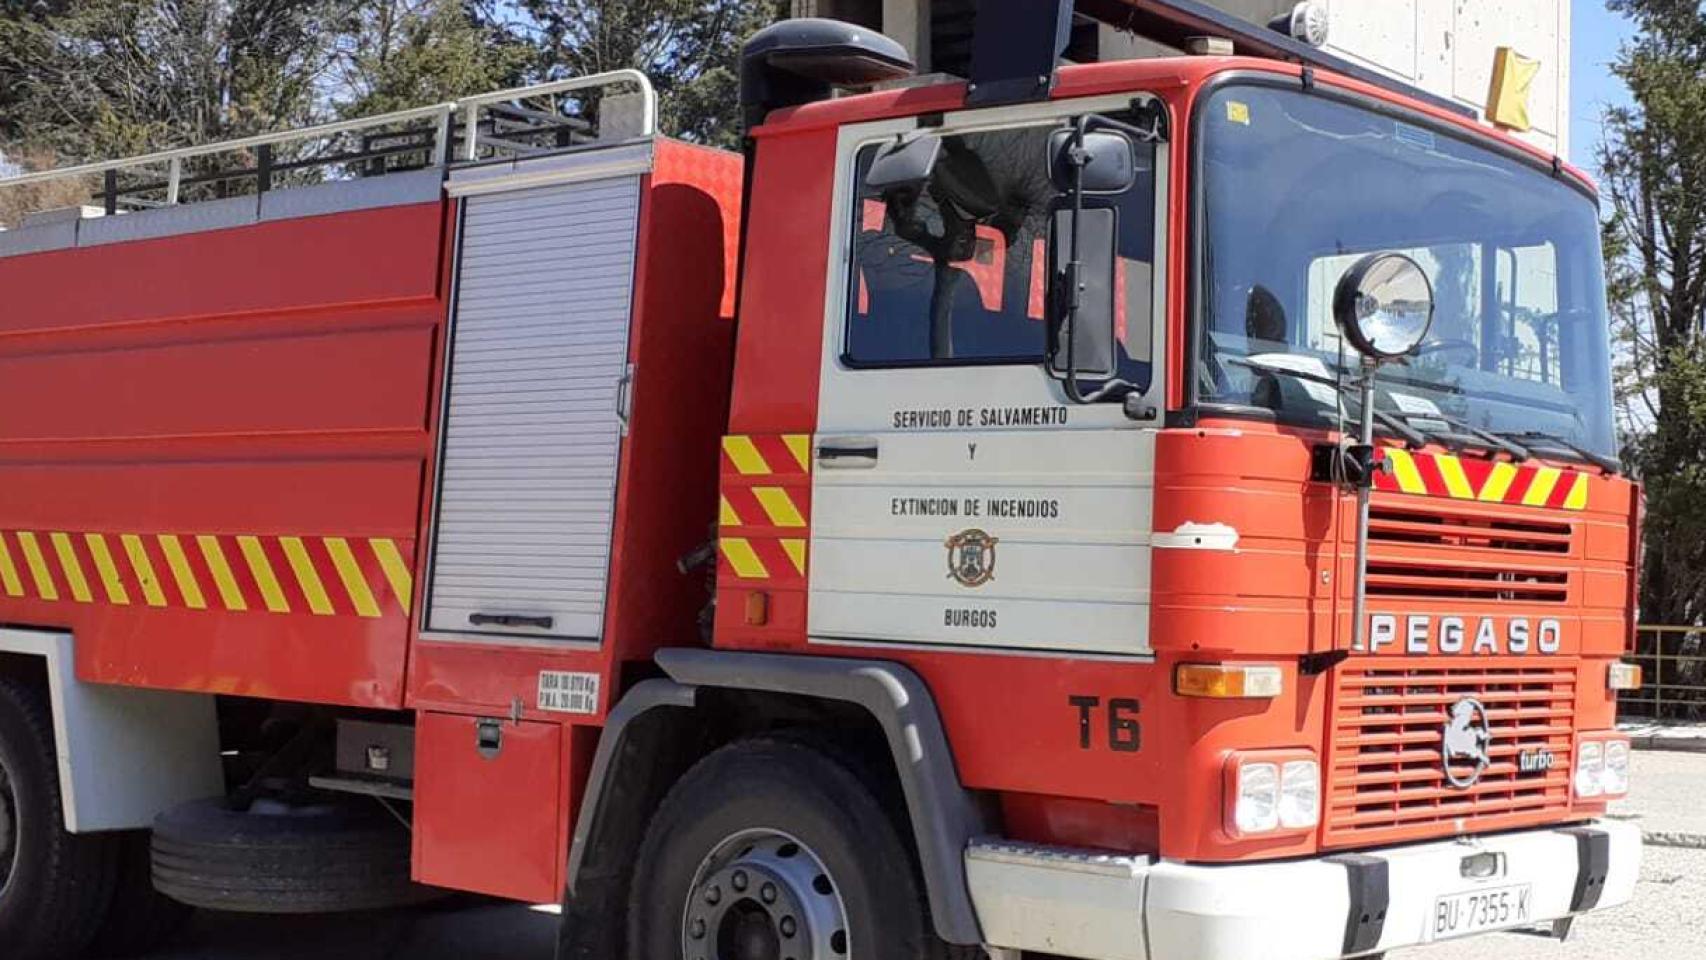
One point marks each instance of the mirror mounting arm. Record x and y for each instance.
(1153, 122)
(1071, 277)
(1091, 155)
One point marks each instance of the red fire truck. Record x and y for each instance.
(1161, 509)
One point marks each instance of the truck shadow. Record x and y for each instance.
(459, 929)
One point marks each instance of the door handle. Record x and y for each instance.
(510, 620)
(624, 396)
(851, 453)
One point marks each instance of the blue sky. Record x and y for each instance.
(1595, 34)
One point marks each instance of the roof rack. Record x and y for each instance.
(498, 126)
(1174, 22)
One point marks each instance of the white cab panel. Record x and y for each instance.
(1067, 517)
(995, 513)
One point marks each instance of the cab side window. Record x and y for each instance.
(959, 275)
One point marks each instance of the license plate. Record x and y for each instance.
(1493, 908)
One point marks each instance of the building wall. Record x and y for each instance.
(1447, 47)
(1443, 46)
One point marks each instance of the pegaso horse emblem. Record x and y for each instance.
(1468, 735)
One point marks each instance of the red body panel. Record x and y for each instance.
(215, 465)
(264, 382)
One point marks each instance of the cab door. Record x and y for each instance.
(959, 497)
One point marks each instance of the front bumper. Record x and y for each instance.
(1079, 904)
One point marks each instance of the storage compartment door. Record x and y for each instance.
(531, 432)
(486, 807)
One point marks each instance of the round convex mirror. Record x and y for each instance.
(1384, 305)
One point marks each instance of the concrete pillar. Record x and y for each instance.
(908, 21)
(1117, 45)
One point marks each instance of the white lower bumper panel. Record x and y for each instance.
(1345, 905)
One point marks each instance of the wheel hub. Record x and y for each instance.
(762, 895)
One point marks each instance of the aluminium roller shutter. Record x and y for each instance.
(531, 436)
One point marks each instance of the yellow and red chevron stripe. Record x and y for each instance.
(323, 576)
(768, 455)
(1486, 481)
(764, 517)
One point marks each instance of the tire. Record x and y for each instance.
(284, 860)
(54, 886)
(141, 919)
(763, 847)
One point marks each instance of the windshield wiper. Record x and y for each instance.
(1412, 437)
(1600, 460)
(1517, 451)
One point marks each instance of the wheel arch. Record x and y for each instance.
(661, 724)
(125, 753)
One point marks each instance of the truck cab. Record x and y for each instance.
(1128, 577)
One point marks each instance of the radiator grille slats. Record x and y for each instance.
(1386, 779)
(1465, 556)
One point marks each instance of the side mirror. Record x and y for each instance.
(1109, 161)
(1081, 341)
(904, 166)
(1384, 305)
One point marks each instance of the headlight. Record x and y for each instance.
(1590, 769)
(1273, 791)
(1258, 798)
(1602, 766)
(1300, 795)
(1615, 780)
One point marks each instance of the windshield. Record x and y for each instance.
(1298, 187)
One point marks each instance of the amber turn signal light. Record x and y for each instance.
(1228, 681)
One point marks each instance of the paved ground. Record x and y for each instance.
(1667, 797)
(1689, 737)
(1667, 921)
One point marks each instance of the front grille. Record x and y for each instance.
(1494, 559)
(1448, 528)
(1450, 581)
(1386, 779)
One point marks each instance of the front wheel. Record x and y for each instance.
(771, 850)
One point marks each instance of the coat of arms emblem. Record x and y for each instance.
(971, 557)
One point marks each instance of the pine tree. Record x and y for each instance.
(690, 49)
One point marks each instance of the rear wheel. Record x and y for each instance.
(771, 850)
(54, 886)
